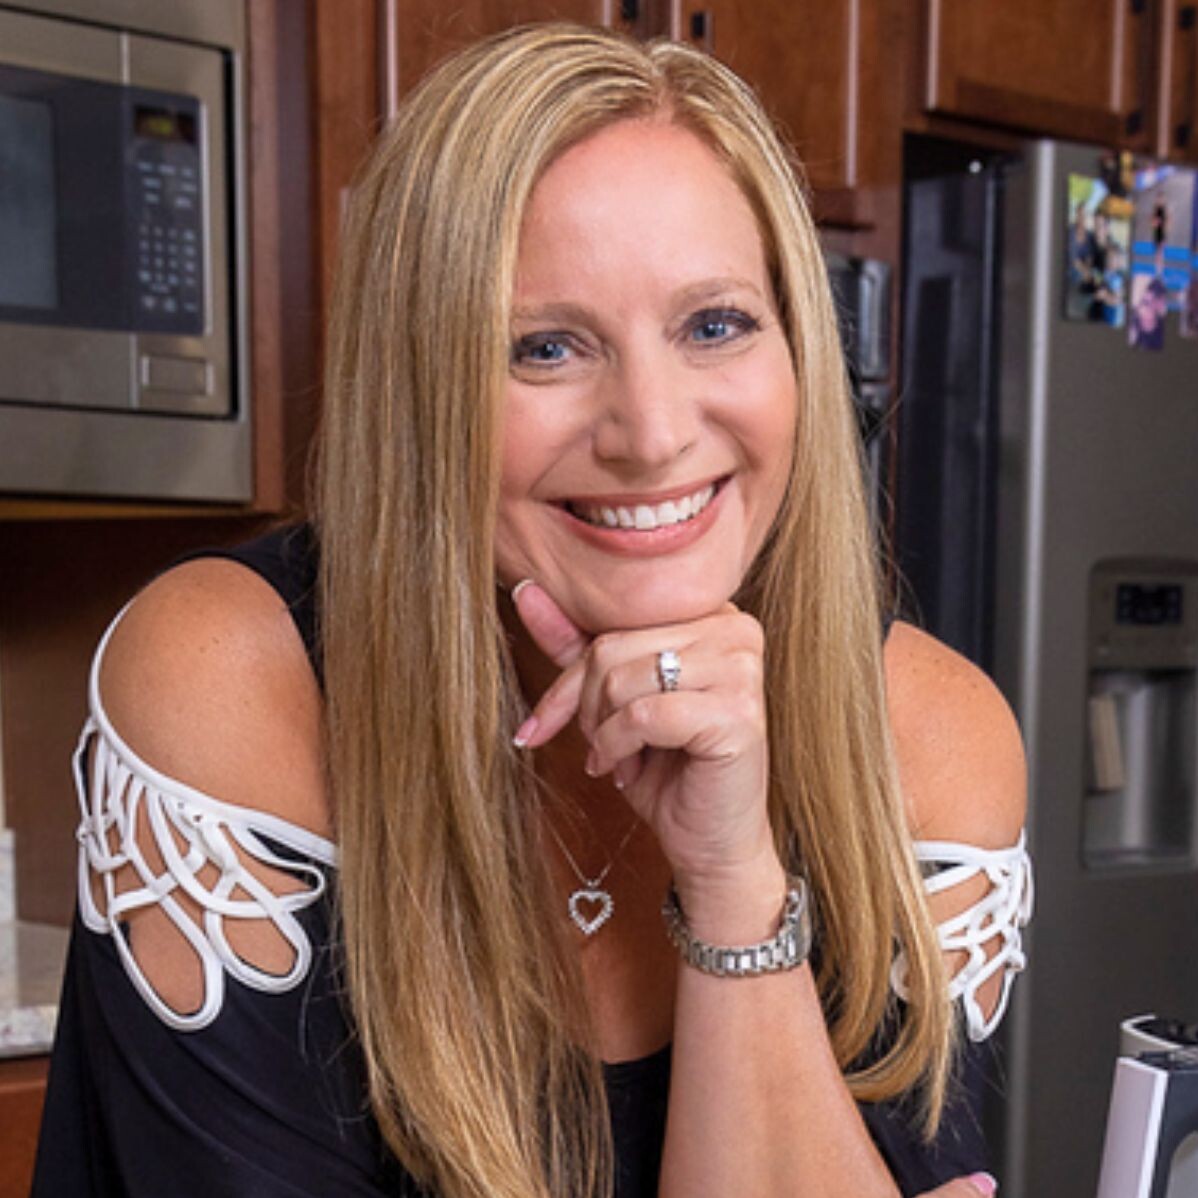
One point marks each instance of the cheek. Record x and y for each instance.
(769, 424)
(533, 451)
(769, 438)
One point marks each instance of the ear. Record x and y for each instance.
(554, 632)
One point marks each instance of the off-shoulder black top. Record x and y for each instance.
(268, 1099)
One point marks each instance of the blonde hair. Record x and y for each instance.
(467, 1000)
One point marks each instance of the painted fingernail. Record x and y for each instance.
(525, 732)
(524, 582)
(983, 1182)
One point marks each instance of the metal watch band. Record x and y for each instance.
(787, 949)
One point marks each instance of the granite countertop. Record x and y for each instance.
(32, 956)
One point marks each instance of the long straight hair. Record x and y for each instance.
(467, 999)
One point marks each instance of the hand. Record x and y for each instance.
(978, 1185)
(693, 763)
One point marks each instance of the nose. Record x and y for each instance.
(649, 412)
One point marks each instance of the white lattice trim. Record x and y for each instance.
(1000, 914)
(114, 786)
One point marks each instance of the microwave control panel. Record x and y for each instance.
(165, 204)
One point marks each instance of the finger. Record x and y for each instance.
(555, 634)
(555, 708)
(977, 1185)
(731, 670)
(624, 665)
(705, 725)
(625, 773)
(612, 683)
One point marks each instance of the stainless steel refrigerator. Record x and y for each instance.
(1047, 527)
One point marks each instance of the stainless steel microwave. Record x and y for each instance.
(123, 348)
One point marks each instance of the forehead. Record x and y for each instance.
(647, 189)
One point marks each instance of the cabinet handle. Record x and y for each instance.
(1134, 121)
(702, 33)
(629, 11)
(389, 81)
(1187, 22)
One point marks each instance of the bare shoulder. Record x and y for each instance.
(960, 755)
(206, 679)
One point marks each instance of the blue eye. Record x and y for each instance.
(716, 327)
(540, 349)
(711, 330)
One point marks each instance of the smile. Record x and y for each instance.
(645, 517)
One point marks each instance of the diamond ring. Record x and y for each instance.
(669, 670)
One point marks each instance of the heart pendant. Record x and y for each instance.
(599, 902)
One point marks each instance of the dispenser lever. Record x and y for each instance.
(1106, 743)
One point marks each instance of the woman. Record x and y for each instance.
(598, 621)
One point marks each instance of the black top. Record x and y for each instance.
(268, 1100)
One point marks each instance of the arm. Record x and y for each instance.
(171, 1076)
(757, 1103)
(205, 678)
(960, 761)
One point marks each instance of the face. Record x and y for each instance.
(650, 409)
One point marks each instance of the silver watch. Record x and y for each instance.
(787, 949)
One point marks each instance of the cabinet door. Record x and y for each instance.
(22, 1092)
(803, 60)
(1177, 127)
(417, 34)
(1069, 68)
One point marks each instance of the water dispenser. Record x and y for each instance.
(1142, 655)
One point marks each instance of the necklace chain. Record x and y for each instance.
(592, 892)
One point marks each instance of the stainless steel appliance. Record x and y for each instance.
(123, 351)
(1151, 1145)
(861, 290)
(1048, 526)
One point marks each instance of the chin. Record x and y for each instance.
(650, 607)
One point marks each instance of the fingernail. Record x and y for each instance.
(524, 582)
(591, 768)
(525, 732)
(984, 1182)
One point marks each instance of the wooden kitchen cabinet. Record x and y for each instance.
(22, 1092)
(368, 54)
(1082, 69)
(1177, 94)
(824, 71)
(417, 34)
(821, 69)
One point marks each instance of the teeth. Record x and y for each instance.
(645, 517)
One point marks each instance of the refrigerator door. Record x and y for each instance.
(1095, 635)
(948, 413)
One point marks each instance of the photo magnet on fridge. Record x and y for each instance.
(1189, 309)
(1097, 242)
(1163, 228)
(1149, 307)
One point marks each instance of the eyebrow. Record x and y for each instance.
(693, 293)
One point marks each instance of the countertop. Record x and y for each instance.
(32, 957)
